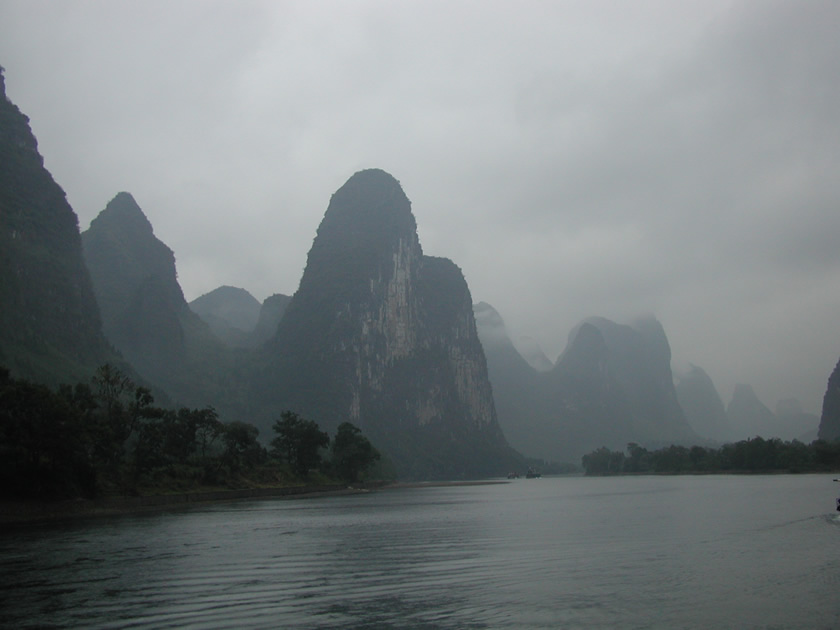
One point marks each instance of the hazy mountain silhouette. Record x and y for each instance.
(795, 424)
(271, 312)
(703, 407)
(516, 386)
(144, 313)
(611, 385)
(830, 420)
(748, 415)
(533, 354)
(231, 313)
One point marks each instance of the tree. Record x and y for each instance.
(352, 452)
(241, 444)
(298, 442)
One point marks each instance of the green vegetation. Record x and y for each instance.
(108, 438)
(352, 452)
(298, 442)
(755, 455)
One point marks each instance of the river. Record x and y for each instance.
(713, 551)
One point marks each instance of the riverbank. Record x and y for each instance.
(16, 513)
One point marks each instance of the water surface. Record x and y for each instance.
(633, 552)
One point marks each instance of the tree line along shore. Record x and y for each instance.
(106, 440)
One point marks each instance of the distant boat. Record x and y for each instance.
(532, 474)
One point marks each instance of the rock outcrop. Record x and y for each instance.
(382, 336)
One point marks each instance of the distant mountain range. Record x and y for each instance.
(611, 385)
(377, 333)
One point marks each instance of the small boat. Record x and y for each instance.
(532, 474)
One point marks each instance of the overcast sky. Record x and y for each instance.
(582, 158)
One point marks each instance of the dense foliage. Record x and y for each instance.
(107, 437)
(352, 452)
(753, 455)
(298, 442)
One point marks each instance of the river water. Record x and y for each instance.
(558, 552)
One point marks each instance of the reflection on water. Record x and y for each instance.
(717, 551)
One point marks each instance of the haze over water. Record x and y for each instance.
(637, 552)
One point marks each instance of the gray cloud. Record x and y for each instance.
(574, 158)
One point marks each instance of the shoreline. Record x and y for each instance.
(18, 513)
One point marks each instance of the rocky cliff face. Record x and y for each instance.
(383, 336)
(50, 328)
(144, 312)
(830, 419)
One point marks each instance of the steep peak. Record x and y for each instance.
(124, 212)
(369, 209)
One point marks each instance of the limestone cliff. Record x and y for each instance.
(383, 336)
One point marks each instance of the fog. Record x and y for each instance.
(573, 158)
